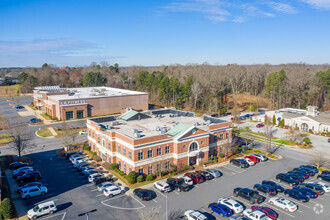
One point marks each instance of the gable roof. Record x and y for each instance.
(128, 115)
(178, 130)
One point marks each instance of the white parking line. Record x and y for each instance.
(94, 190)
(155, 200)
(115, 207)
(64, 216)
(206, 183)
(176, 193)
(320, 198)
(55, 215)
(273, 207)
(100, 195)
(299, 211)
(196, 186)
(112, 198)
(160, 193)
(227, 173)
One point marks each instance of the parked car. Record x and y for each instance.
(324, 186)
(42, 209)
(195, 177)
(259, 125)
(310, 167)
(220, 209)
(99, 180)
(71, 158)
(261, 157)
(302, 174)
(143, 194)
(205, 175)
(69, 154)
(283, 177)
(255, 215)
(328, 140)
(29, 177)
(309, 172)
(315, 187)
(194, 215)
(81, 165)
(94, 175)
(34, 120)
(20, 188)
(83, 132)
(178, 184)
(104, 185)
(306, 191)
(162, 186)
(251, 195)
(215, 173)
(239, 217)
(276, 186)
(232, 204)
(33, 191)
(239, 163)
(113, 190)
(325, 177)
(75, 159)
(18, 107)
(268, 211)
(296, 177)
(265, 189)
(249, 161)
(187, 180)
(22, 172)
(283, 203)
(27, 168)
(296, 195)
(16, 165)
(253, 158)
(90, 172)
(326, 172)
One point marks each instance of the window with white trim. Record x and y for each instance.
(119, 149)
(119, 164)
(167, 165)
(221, 136)
(159, 151)
(149, 153)
(140, 156)
(109, 159)
(109, 146)
(98, 139)
(167, 149)
(125, 168)
(129, 169)
(202, 142)
(130, 154)
(103, 142)
(150, 170)
(141, 171)
(158, 167)
(124, 151)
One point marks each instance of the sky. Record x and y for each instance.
(163, 32)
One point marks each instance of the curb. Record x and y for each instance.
(50, 137)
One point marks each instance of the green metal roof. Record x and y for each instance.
(178, 129)
(129, 115)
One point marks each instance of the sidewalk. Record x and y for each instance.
(19, 203)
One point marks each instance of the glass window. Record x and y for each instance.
(130, 155)
(158, 167)
(125, 168)
(193, 146)
(227, 135)
(167, 165)
(119, 148)
(140, 156)
(149, 153)
(167, 149)
(69, 115)
(124, 151)
(93, 147)
(202, 142)
(103, 143)
(149, 170)
(119, 164)
(159, 151)
(109, 159)
(89, 132)
(93, 134)
(221, 136)
(141, 171)
(104, 157)
(98, 140)
(80, 113)
(129, 169)
(184, 146)
(109, 146)
(215, 138)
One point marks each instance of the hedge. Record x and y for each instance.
(185, 168)
(86, 147)
(206, 162)
(114, 166)
(131, 177)
(96, 158)
(7, 209)
(221, 155)
(139, 179)
(151, 177)
(106, 165)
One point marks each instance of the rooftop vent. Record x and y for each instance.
(136, 135)
(157, 128)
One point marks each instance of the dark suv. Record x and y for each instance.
(239, 163)
(178, 184)
(286, 178)
(267, 189)
(29, 177)
(276, 186)
(205, 175)
(248, 194)
(16, 165)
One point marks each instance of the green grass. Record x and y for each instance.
(46, 116)
(275, 156)
(323, 168)
(77, 129)
(286, 142)
(5, 138)
(44, 132)
(9, 91)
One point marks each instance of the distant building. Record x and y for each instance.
(306, 120)
(8, 80)
(147, 143)
(73, 103)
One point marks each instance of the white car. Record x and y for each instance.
(83, 132)
(261, 157)
(250, 162)
(187, 180)
(162, 186)
(113, 190)
(104, 185)
(255, 215)
(74, 160)
(194, 215)
(42, 209)
(283, 203)
(74, 156)
(33, 191)
(215, 173)
(94, 175)
(324, 186)
(232, 204)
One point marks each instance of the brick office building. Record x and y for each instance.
(73, 103)
(147, 143)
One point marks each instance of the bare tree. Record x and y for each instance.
(69, 135)
(196, 90)
(19, 136)
(318, 160)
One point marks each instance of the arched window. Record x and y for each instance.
(193, 146)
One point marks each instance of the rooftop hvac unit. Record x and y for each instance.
(135, 130)
(157, 128)
(137, 135)
(197, 124)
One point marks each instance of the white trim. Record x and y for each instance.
(189, 129)
(219, 143)
(185, 154)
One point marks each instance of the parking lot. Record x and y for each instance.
(73, 194)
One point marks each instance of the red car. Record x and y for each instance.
(268, 211)
(253, 158)
(195, 177)
(20, 173)
(259, 125)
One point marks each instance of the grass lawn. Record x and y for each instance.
(274, 156)
(286, 142)
(9, 91)
(5, 138)
(77, 129)
(45, 116)
(44, 132)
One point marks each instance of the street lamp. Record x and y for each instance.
(86, 213)
(166, 205)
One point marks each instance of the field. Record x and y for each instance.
(245, 100)
(9, 91)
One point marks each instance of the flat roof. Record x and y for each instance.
(94, 92)
(155, 124)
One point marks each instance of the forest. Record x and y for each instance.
(201, 88)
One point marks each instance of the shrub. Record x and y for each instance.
(96, 158)
(7, 209)
(215, 160)
(174, 168)
(206, 163)
(173, 173)
(164, 173)
(306, 140)
(131, 177)
(185, 168)
(210, 158)
(86, 147)
(139, 179)
(151, 177)
(221, 155)
(121, 173)
(114, 166)
(157, 173)
(61, 153)
(106, 165)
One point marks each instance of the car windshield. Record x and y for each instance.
(36, 208)
(237, 205)
(291, 204)
(200, 177)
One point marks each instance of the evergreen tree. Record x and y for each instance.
(274, 120)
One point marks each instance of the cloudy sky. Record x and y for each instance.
(156, 32)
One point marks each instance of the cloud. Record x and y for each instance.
(321, 4)
(239, 19)
(283, 8)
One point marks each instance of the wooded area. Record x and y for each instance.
(201, 88)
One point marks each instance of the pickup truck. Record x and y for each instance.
(249, 194)
(178, 184)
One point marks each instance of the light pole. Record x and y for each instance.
(166, 205)
(86, 213)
